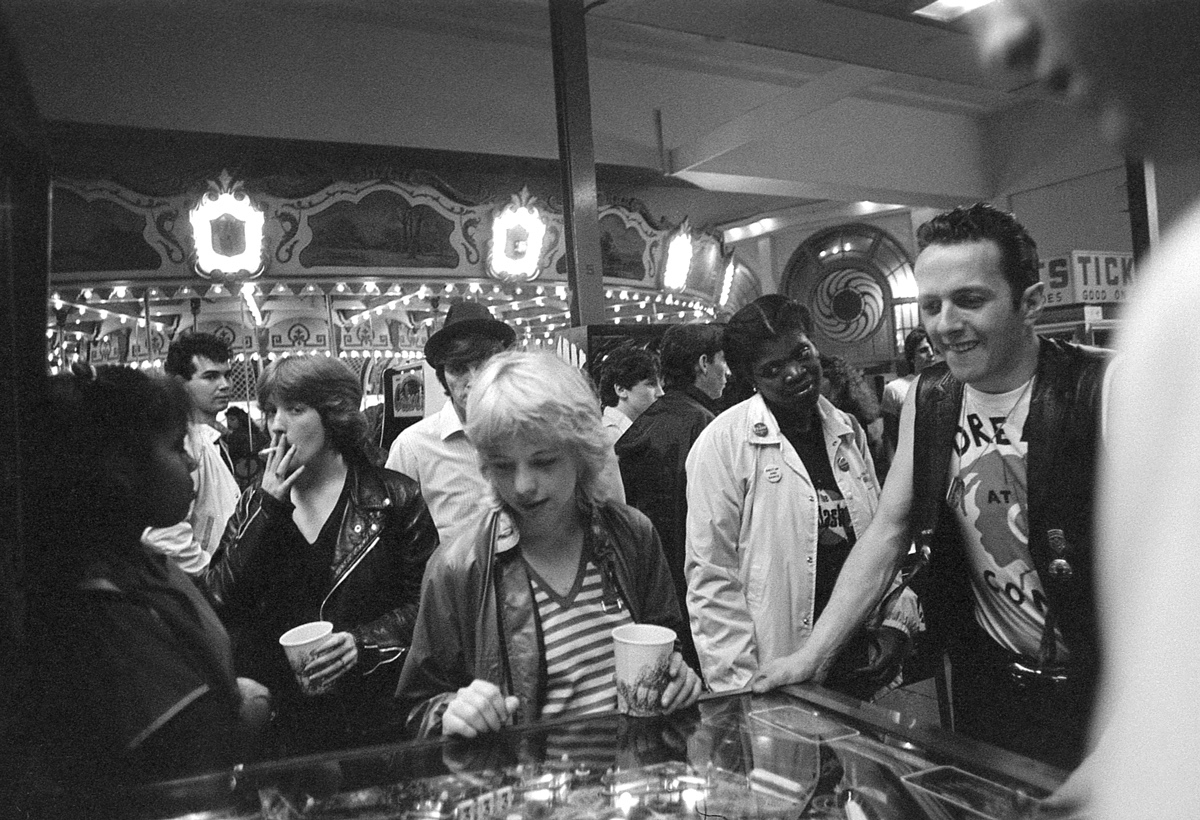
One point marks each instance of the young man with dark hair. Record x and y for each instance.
(629, 383)
(653, 451)
(995, 472)
(201, 362)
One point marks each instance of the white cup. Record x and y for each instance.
(643, 656)
(299, 643)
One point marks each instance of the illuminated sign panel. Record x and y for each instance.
(227, 231)
(1088, 277)
(516, 246)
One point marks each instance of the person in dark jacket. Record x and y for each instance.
(996, 473)
(516, 625)
(653, 450)
(326, 536)
(132, 674)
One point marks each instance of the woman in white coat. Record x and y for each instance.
(778, 489)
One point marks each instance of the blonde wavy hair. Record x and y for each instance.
(538, 396)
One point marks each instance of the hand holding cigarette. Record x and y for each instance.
(279, 474)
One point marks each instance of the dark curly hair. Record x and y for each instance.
(911, 342)
(328, 386)
(625, 366)
(184, 348)
(764, 320)
(1018, 251)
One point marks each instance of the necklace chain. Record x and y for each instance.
(1001, 426)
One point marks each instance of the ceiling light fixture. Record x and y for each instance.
(947, 10)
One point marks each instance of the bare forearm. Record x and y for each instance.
(862, 582)
(864, 577)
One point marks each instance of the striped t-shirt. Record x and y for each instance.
(578, 639)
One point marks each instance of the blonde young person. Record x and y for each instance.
(515, 623)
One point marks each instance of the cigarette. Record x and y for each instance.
(268, 450)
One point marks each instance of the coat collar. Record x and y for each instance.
(763, 428)
(506, 537)
(449, 424)
(367, 490)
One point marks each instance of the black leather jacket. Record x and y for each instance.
(1063, 431)
(479, 619)
(385, 538)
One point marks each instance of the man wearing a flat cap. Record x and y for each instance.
(435, 451)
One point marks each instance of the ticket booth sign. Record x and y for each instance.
(1088, 277)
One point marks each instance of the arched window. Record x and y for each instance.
(858, 282)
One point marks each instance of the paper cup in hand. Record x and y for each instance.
(299, 642)
(643, 655)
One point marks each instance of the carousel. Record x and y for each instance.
(363, 270)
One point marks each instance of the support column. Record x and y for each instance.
(581, 218)
(1143, 205)
(24, 291)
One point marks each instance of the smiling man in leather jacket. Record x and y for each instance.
(996, 471)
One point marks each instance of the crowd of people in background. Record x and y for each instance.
(472, 581)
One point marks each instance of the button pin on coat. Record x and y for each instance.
(843, 465)
(773, 473)
(759, 429)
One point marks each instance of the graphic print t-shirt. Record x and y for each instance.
(989, 499)
(835, 530)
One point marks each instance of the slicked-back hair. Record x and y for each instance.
(183, 348)
(681, 349)
(624, 367)
(762, 321)
(539, 397)
(979, 222)
(328, 386)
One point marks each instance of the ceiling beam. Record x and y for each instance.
(739, 183)
(766, 119)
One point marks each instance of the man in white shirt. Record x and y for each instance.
(201, 362)
(435, 451)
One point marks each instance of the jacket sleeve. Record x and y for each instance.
(862, 443)
(611, 487)
(659, 605)
(236, 577)
(410, 538)
(721, 624)
(904, 613)
(402, 459)
(179, 543)
(439, 662)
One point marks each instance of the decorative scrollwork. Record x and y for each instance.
(164, 223)
(291, 227)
